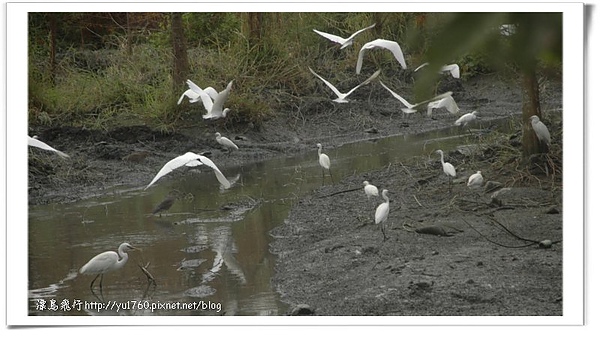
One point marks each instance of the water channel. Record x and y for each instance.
(212, 246)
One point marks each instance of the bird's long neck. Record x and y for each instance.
(319, 151)
(442, 157)
(123, 260)
(385, 197)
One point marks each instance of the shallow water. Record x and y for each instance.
(210, 250)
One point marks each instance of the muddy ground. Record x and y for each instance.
(331, 255)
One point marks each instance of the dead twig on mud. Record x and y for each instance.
(499, 244)
(147, 273)
(339, 192)
(419, 203)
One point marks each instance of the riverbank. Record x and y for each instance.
(331, 256)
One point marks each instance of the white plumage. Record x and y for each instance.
(224, 141)
(453, 69)
(341, 97)
(382, 212)
(32, 142)
(213, 102)
(344, 42)
(381, 43)
(446, 102)
(106, 262)
(466, 119)
(540, 129)
(475, 180)
(412, 108)
(193, 94)
(370, 190)
(447, 167)
(190, 159)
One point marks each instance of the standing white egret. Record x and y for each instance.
(448, 169)
(446, 102)
(344, 42)
(106, 262)
(540, 129)
(341, 97)
(412, 108)
(213, 102)
(370, 190)
(382, 212)
(33, 142)
(227, 143)
(381, 43)
(475, 180)
(453, 69)
(466, 119)
(190, 159)
(324, 162)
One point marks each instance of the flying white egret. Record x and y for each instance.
(341, 97)
(381, 43)
(370, 190)
(466, 119)
(453, 69)
(344, 42)
(324, 162)
(475, 180)
(382, 212)
(32, 142)
(227, 143)
(106, 262)
(448, 168)
(167, 203)
(213, 102)
(540, 129)
(412, 108)
(194, 92)
(446, 102)
(190, 159)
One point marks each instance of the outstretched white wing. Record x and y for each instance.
(39, 144)
(331, 37)
(398, 97)
(360, 31)
(392, 46)
(453, 69)
(191, 160)
(332, 87)
(219, 101)
(367, 81)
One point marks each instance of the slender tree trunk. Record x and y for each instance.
(52, 27)
(255, 21)
(129, 38)
(180, 57)
(531, 106)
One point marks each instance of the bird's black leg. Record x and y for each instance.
(93, 280)
(330, 175)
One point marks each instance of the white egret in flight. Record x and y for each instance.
(194, 92)
(540, 129)
(412, 108)
(377, 44)
(446, 102)
(106, 262)
(341, 97)
(453, 69)
(344, 42)
(32, 142)
(213, 102)
(190, 159)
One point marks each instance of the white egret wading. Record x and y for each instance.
(344, 42)
(341, 97)
(466, 119)
(32, 142)
(382, 212)
(392, 46)
(324, 162)
(190, 159)
(412, 108)
(106, 262)
(448, 169)
(225, 142)
(540, 129)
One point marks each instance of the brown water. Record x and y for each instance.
(209, 250)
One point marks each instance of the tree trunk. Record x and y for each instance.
(52, 27)
(180, 57)
(531, 106)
